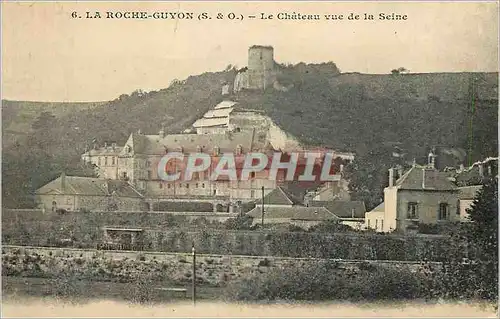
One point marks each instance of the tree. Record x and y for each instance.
(471, 269)
(368, 175)
(400, 70)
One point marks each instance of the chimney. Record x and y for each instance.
(423, 177)
(481, 170)
(341, 168)
(400, 172)
(63, 181)
(391, 177)
(105, 145)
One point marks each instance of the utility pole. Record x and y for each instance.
(194, 275)
(262, 206)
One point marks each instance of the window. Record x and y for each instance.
(196, 185)
(124, 174)
(252, 194)
(412, 211)
(203, 185)
(99, 161)
(168, 185)
(443, 211)
(368, 224)
(113, 160)
(160, 185)
(252, 175)
(187, 185)
(68, 200)
(382, 225)
(150, 174)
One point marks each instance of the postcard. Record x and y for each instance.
(249, 159)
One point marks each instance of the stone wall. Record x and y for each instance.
(175, 268)
(169, 233)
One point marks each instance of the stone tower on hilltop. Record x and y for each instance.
(261, 71)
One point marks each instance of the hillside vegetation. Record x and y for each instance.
(353, 112)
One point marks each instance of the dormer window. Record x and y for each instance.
(128, 149)
(239, 150)
(216, 150)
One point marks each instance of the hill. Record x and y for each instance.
(18, 116)
(355, 112)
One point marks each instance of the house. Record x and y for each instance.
(284, 205)
(422, 195)
(374, 219)
(280, 197)
(350, 213)
(302, 216)
(74, 193)
(466, 195)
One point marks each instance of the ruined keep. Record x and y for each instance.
(260, 73)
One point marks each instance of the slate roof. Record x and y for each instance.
(295, 213)
(468, 192)
(280, 196)
(76, 185)
(156, 145)
(105, 151)
(379, 208)
(342, 209)
(433, 180)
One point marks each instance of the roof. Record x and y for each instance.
(208, 122)
(379, 208)
(423, 178)
(280, 196)
(76, 185)
(295, 213)
(109, 150)
(256, 46)
(468, 192)
(342, 209)
(218, 113)
(225, 104)
(228, 142)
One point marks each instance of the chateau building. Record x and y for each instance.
(227, 128)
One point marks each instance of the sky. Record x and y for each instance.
(49, 56)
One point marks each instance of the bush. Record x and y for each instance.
(239, 223)
(326, 281)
